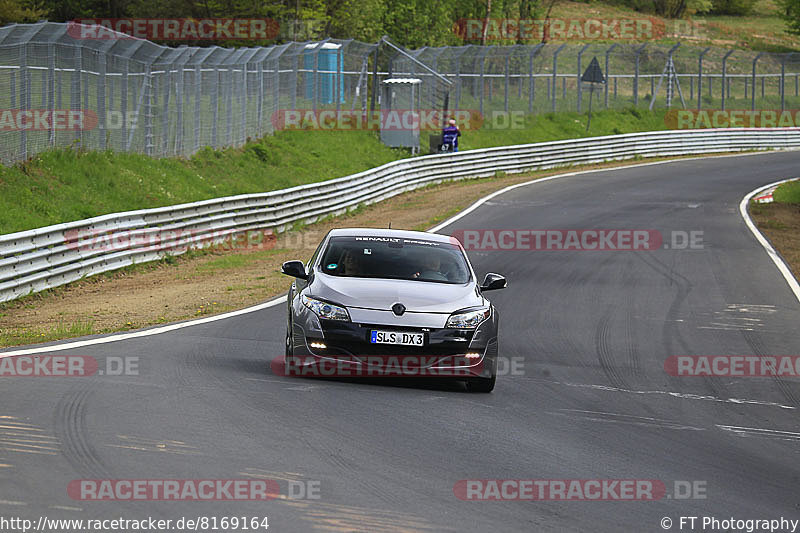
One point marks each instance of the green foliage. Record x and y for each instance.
(20, 11)
(790, 12)
(733, 7)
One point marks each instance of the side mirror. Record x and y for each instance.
(493, 282)
(296, 269)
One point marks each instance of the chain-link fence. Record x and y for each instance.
(58, 89)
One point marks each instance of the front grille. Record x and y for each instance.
(344, 338)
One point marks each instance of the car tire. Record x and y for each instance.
(287, 342)
(482, 384)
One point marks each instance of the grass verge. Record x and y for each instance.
(64, 185)
(779, 221)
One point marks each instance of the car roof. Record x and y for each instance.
(398, 233)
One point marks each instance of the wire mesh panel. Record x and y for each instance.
(67, 85)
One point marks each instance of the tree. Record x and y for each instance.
(790, 12)
(19, 11)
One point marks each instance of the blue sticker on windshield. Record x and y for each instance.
(332, 266)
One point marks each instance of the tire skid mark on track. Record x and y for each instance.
(70, 426)
(670, 332)
(603, 351)
(754, 340)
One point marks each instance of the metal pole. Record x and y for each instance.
(753, 96)
(580, 86)
(505, 93)
(555, 73)
(605, 88)
(532, 90)
(51, 89)
(700, 77)
(636, 75)
(101, 101)
(374, 81)
(725, 82)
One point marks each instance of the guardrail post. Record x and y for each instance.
(555, 75)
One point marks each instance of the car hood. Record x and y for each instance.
(382, 294)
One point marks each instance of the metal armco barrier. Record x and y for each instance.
(34, 260)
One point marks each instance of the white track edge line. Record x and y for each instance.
(771, 252)
(271, 303)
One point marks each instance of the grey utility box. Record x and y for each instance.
(400, 120)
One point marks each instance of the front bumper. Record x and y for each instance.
(335, 348)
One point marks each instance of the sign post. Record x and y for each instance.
(592, 75)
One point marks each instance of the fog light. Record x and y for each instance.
(472, 355)
(318, 345)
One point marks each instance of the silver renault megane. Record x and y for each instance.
(374, 300)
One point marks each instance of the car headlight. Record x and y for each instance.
(325, 310)
(468, 319)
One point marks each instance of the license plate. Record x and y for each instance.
(397, 337)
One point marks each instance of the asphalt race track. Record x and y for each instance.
(590, 329)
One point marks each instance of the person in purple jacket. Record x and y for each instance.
(450, 135)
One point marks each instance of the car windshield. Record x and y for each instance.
(395, 258)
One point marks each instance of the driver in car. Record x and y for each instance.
(430, 268)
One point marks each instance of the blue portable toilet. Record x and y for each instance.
(329, 71)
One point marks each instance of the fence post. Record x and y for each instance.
(75, 97)
(374, 81)
(753, 92)
(636, 75)
(123, 101)
(725, 83)
(532, 91)
(605, 86)
(147, 92)
(580, 85)
(783, 79)
(198, 96)
(51, 89)
(700, 78)
(260, 99)
(505, 92)
(101, 100)
(555, 74)
(485, 51)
